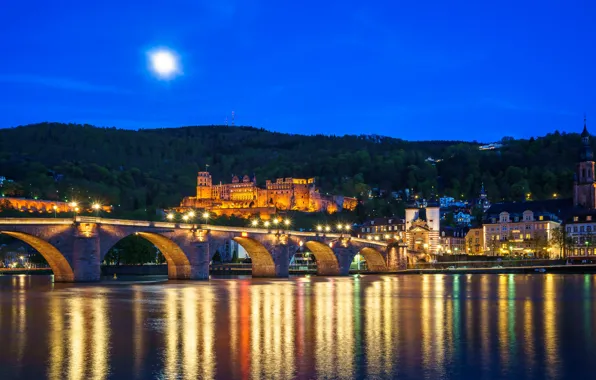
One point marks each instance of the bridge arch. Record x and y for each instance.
(62, 269)
(374, 259)
(262, 261)
(179, 267)
(327, 264)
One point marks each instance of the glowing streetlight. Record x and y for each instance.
(185, 218)
(340, 227)
(275, 221)
(206, 216)
(96, 207)
(287, 222)
(191, 214)
(327, 228)
(319, 228)
(255, 223)
(55, 209)
(170, 216)
(73, 204)
(266, 224)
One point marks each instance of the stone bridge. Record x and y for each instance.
(75, 247)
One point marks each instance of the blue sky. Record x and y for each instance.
(416, 70)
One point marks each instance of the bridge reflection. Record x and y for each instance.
(355, 327)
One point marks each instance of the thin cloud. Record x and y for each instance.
(61, 83)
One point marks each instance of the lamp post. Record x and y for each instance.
(206, 216)
(55, 209)
(74, 207)
(96, 207)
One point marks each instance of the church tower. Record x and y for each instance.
(584, 187)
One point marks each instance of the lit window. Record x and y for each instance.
(541, 217)
(589, 218)
(575, 218)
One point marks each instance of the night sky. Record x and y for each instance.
(418, 70)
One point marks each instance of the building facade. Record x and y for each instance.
(392, 228)
(282, 194)
(522, 229)
(453, 240)
(579, 234)
(474, 241)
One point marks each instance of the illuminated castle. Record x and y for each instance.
(246, 197)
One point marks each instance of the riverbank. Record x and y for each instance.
(242, 269)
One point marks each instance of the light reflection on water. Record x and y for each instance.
(429, 326)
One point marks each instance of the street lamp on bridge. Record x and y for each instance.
(96, 207)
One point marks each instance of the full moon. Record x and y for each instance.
(164, 63)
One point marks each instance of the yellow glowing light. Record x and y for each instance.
(205, 215)
(255, 223)
(369, 237)
(376, 238)
(164, 63)
(287, 222)
(96, 206)
(170, 216)
(55, 207)
(275, 221)
(327, 228)
(191, 214)
(319, 228)
(76, 209)
(73, 204)
(185, 217)
(266, 224)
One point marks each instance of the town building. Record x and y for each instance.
(243, 197)
(523, 228)
(474, 241)
(579, 234)
(423, 229)
(453, 240)
(391, 228)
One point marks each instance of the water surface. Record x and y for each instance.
(406, 327)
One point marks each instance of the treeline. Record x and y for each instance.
(148, 169)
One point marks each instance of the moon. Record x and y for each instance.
(164, 63)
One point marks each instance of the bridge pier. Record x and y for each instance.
(86, 259)
(345, 256)
(397, 258)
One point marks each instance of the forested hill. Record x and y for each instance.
(156, 168)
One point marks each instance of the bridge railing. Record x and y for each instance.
(144, 223)
(35, 221)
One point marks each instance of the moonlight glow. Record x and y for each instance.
(164, 63)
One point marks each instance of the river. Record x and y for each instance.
(406, 327)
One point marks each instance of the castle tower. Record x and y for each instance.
(584, 185)
(204, 185)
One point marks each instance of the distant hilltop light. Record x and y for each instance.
(164, 63)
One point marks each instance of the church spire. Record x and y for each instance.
(586, 153)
